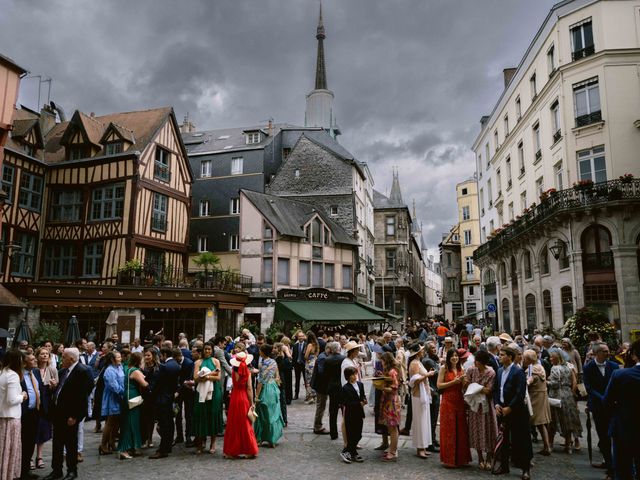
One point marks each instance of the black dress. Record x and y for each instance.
(281, 362)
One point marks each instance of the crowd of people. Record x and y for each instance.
(491, 393)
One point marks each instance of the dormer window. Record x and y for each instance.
(76, 152)
(253, 137)
(113, 148)
(30, 149)
(161, 165)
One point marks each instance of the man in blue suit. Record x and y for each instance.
(509, 392)
(597, 374)
(164, 395)
(621, 398)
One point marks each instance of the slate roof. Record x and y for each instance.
(288, 217)
(382, 201)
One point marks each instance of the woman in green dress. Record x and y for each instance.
(207, 410)
(269, 424)
(130, 441)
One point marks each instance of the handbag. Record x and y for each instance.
(135, 401)
(252, 415)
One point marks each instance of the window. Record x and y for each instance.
(347, 277)
(518, 108)
(267, 247)
(236, 165)
(316, 274)
(113, 148)
(586, 98)
(448, 259)
(511, 211)
(107, 203)
(253, 137)
(453, 284)
(159, 215)
(65, 206)
(469, 265)
(283, 271)
(465, 213)
(592, 165)
(534, 87)
(506, 317)
(203, 243)
(161, 165)
(540, 186)
(506, 126)
(471, 292)
(24, 258)
(234, 242)
(491, 226)
(316, 231)
(267, 272)
(536, 143)
(390, 256)
(546, 304)
(390, 223)
(234, 206)
(296, 173)
(527, 264)
(479, 166)
(523, 200)
(487, 155)
(333, 210)
(551, 59)
(329, 272)
(503, 274)
(544, 260)
(467, 237)
(555, 121)
(154, 262)
(582, 40)
(76, 152)
(60, 261)
(499, 182)
(481, 202)
(93, 259)
(204, 208)
(489, 193)
(496, 144)
(304, 273)
(557, 173)
(8, 176)
(508, 167)
(464, 191)
(268, 232)
(205, 168)
(30, 196)
(285, 153)
(521, 158)
(530, 310)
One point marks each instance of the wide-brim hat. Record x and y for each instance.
(463, 354)
(350, 346)
(241, 357)
(415, 349)
(505, 337)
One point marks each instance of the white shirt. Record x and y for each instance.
(503, 380)
(601, 367)
(347, 362)
(469, 363)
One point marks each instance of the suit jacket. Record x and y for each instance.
(621, 398)
(225, 368)
(41, 392)
(71, 396)
(352, 400)
(596, 384)
(493, 363)
(296, 352)
(186, 373)
(332, 369)
(319, 381)
(186, 353)
(167, 384)
(515, 389)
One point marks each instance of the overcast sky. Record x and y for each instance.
(411, 78)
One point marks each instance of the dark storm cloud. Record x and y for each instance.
(411, 77)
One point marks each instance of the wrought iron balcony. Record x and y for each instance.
(564, 201)
(222, 280)
(588, 119)
(583, 52)
(597, 261)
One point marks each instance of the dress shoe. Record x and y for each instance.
(70, 476)
(599, 465)
(189, 444)
(433, 449)
(322, 431)
(404, 432)
(157, 455)
(179, 440)
(500, 471)
(53, 476)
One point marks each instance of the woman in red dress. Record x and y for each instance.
(454, 436)
(239, 437)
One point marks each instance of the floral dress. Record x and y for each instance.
(566, 418)
(390, 402)
(483, 427)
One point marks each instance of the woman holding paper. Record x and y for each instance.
(483, 427)
(420, 401)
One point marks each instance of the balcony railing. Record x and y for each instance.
(583, 52)
(563, 201)
(588, 119)
(597, 261)
(177, 278)
(557, 136)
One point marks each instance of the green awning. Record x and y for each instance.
(373, 308)
(322, 312)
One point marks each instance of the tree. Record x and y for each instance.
(206, 260)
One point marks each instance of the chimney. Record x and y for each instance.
(508, 75)
(47, 119)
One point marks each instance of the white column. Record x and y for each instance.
(625, 259)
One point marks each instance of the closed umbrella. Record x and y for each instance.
(112, 321)
(22, 333)
(73, 332)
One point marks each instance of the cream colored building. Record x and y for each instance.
(469, 229)
(569, 112)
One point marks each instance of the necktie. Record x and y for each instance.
(34, 382)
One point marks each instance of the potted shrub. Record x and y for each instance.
(626, 178)
(587, 320)
(614, 194)
(131, 271)
(206, 260)
(582, 185)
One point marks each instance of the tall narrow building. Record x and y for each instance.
(319, 111)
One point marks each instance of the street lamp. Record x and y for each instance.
(557, 249)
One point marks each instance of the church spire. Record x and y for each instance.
(396, 196)
(321, 73)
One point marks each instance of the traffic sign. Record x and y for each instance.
(491, 307)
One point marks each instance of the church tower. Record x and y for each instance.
(319, 111)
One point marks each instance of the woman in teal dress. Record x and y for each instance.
(269, 423)
(207, 410)
(130, 441)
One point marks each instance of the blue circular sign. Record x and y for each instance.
(491, 307)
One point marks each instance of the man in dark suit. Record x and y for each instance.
(596, 375)
(298, 362)
(163, 397)
(509, 392)
(32, 408)
(185, 397)
(621, 398)
(320, 385)
(68, 408)
(332, 370)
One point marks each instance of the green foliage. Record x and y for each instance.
(252, 327)
(276, 330)
(46, 331)
(131, 266)
(206, 260)
(587, 320)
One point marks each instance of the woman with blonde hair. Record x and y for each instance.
(49, 375)
(311, 353)
(562, 384)
(537, 388)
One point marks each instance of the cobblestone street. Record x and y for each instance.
(301, 452)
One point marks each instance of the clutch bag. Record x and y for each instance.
(135, 402)
(251, 414)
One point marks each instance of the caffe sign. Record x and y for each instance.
(316, 295)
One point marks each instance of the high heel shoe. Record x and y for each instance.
(124, 456)
(390, 457)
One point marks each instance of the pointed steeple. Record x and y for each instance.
(396, 196)
(321, 72)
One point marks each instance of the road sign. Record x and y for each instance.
(491, 307)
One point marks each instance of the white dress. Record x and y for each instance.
(420, 405)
